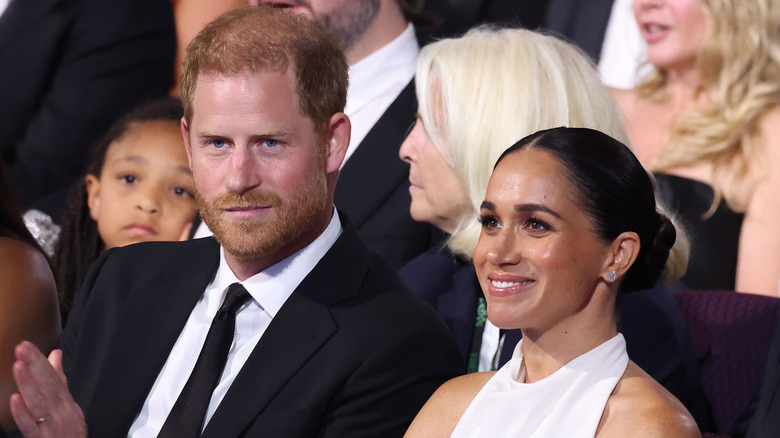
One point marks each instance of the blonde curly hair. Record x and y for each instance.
(739, 69)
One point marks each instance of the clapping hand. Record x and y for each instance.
(43, 407)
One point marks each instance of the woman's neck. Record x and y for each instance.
(685, 89)
(545, 352)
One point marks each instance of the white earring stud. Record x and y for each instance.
(611, 276)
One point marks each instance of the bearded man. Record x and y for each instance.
(323, 340)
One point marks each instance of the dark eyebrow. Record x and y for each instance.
(184, 169)
(522, 208)
(530, 208)
(487, 205)
(132, 158)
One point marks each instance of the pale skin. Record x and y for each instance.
(29, 310)
(243, 127)
(535, 237)
(758, 262)
(649, 125)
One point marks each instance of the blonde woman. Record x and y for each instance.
(477, 95)
(704, 122)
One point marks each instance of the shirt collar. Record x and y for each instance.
(393, 63)
(271, 287)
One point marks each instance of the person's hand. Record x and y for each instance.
(185, 233)
(43, 407)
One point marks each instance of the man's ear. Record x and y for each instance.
(622, 254)
(336, 141)
(92, 185)
(185, 132)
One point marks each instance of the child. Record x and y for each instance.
(138, 188)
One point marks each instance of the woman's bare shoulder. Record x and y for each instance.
(445, 407)
(28, 293)
(640, 407)
(22, 263)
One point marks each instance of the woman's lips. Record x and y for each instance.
(506, 285)
(654, 32)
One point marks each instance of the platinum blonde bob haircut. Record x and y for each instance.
(480, 93)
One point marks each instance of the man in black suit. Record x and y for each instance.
(70, 68)
(330, 343)
(379, 42)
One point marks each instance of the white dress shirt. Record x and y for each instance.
(3, 6)
(623, 52)
(490, 349)
(269, 289)
(376, 81)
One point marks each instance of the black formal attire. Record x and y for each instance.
(70, 68)
(657, 337)
(350, 353)
(373, 187)
(583, 23)
(455, 17)
(714, 239)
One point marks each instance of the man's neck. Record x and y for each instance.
(388, 25)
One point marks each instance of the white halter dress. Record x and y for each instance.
(569, 403)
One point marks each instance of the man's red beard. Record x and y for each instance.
(248, 239)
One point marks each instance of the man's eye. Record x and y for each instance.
(128, 178)
(270, 142)
(218, 144)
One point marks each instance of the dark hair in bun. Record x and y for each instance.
(615, 191)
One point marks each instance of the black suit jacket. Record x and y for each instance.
(373, 187)
(583, 23)
(657, 337)
(351, 352)
(69, 69)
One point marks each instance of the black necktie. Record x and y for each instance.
(189, 411)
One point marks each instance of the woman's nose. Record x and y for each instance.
(504, 250)
(408, 149)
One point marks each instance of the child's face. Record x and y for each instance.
(145, 190)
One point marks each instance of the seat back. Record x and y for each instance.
(731, 333)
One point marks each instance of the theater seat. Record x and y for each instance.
(731, 334)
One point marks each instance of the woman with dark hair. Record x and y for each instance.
(569, 222)
(477, 95)
(28, 296)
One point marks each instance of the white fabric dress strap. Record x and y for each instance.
(569, 403)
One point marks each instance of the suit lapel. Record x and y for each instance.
(150, 325)
(20, 16)
(302, 326)
(374, 170)
(458, 307)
